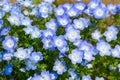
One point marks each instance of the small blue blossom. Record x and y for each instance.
(5, 31)
(7, 56)
(99, 78)
(60, 67)
(86, 77)
(8, 69)
(112, 8)
(96, 35)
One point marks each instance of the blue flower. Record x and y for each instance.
(48, 33)
(72, 35)
(7, 56)
(112, 8)
(28, 29)
(2, 2)
(86, 77)
(45, 75)
(2, 13)
(63, 20)
(103, 48)
(36, 77)
(26, 21)
(1, 24)
(49, 1)
(8, 69)
(88, 56)
(96, 35)
(116, 51)
(5, 31)
(21, 54)
(36, 56)
(9, 43)
(80, 7)
(54, 76)
(99, 78)
(30, 65)
(76, 56)
(59, 11)
(80, 23)
(111, 33)
(59, 41)
(60, 67)
(44, 9)
(52, 24)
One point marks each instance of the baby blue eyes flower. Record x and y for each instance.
(116, 51)
(49, 1)
(9, 43)
(36, 56)
(76, 56)
(86, 77)
(80, 6)
(26, 21)
(96, 35)
(112, 8)
(2, 13)
(7, 56)
(2, 2)
(103, 48)
(59, 11)
(111, 33)
(8, 69)
(99, 78)
(60, 67)
(5, 31)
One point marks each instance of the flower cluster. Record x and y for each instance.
(48, 42)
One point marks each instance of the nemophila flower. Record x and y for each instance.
(29, 49)
(7, 56)
(26, 21)
(80, 7)
(5, 31)
(35, 33)
(59, 41)
(48, 43)
(8, 69)
(9, 43)
(36, 56)
(96, 35)
(36, 77)
(111, 33)
(67, 5)
(2, 13)
(88, 56)
(88, 11)
(2, 2)
(60, 67)
(44, 9)
(53, 75)
(21, 54)
(77, 42)
(52, 24)
(22, 70)
(72, 35)
(49, 1)
(118, 8)
(64, 49)
(99, 78)
(86, 77)
(30, 65)
(115, 52)
(26, 3)
(59, 11)
(89, 66)
(112, 8)
(48, 33)
(62, 55)
(73, 74)
(103, 48)
(14, 19)
(80, 23)
(34, 12)
(93, 4)
(100, 12)
(7, 7)
(63, 20)
(28, 29)
(72, 12)
(76, 56)
(45, 75)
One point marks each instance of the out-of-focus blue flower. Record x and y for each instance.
(62, 55)
(112, 8)
(89, 66)
(96, 35)
(36, 77)
(76, 56)
(7, 56)
(28, 29)
(80, 7)
(103, 48)
(53, 75)
(44, 9)
(29, 49)
(116, 51)
(45, 75)
(99, 78)
(67, 5)
(60, 67)
(2, 13)
(52, 24)
(8, 69)
(9, 43)
(48, 33)
(49, 1)
(111, 33)
(36, 56)
(88, 56)
(86, 77)
(21, 54)
(7, 7)
(5, 31)
(1, 24)
(26, 21)
(2, 2)
(25, 3)
(30, 65)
